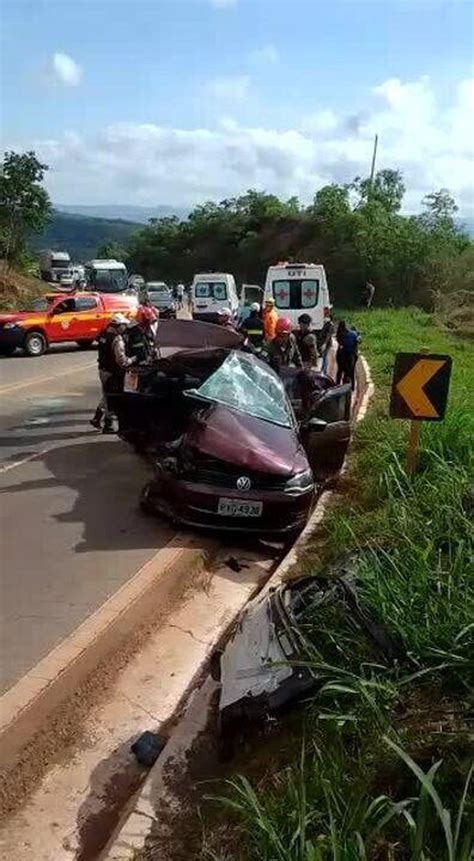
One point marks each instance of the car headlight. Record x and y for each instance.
(301, 481)
(11, 326)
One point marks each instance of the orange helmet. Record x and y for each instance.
(283, 326)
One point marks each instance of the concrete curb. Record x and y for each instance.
(130, 836)
(25, 706)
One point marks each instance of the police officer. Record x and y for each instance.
(113, 362)
(283, 349)
(307, 343)
(252, 326)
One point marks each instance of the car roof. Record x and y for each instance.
(194, 334)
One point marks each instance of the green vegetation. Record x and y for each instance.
(356, 230)
(24, 204)
(384, 770)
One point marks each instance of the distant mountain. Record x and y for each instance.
(81, 235)
(467, 224)
(142, 214)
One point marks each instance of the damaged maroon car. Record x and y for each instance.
(235, 446)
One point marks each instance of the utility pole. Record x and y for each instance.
(374, 156)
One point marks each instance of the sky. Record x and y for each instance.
(153, 102)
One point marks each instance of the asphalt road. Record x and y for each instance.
(71, 531)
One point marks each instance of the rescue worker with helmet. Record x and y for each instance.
(269, 319)
(225, 319)
(113, 362)
(307, 343)
(141, 335)
(283, 350)
(252, 326)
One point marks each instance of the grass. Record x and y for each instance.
(384, 771)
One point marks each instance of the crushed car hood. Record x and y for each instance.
(245, 441)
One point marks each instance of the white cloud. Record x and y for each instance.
(233, 88)
(150, 164)
(267, 54)
(65, 70)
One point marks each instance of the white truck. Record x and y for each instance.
(53, 264)
(106, 276)
(299, 288)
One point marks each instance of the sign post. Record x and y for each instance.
(420, 388)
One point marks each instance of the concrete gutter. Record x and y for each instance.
(25, 707)
(129, 838)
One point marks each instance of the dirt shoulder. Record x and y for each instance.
(16, 289)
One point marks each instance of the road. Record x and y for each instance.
(70, 528)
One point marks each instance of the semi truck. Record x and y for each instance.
(53, 264)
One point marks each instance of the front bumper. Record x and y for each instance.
(196, 504)
(10, 339)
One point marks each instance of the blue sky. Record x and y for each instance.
(174, 102)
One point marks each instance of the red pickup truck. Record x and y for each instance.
(55, 318)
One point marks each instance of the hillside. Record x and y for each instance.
(81, 234)
(127, 212)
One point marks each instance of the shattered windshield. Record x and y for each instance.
(248, 386)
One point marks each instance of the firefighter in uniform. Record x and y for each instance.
(283, 350)
(252, 326)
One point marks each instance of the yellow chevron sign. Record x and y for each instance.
(420, 386)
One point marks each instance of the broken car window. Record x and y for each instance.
(247, 385)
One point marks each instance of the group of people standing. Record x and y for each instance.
(126, 343)
(302, 348)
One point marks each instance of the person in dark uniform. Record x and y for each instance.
(141, 334)
(252, 326)
(307, 343)
(347, 353)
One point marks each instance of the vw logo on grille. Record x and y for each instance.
(243, 483)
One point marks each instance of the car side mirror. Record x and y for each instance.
(316, 425)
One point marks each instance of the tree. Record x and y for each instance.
(440, 208)
(386, 190)
(111, 251)
(24, 204)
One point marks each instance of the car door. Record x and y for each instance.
(89, 320)
(326, 448)
(61, 321)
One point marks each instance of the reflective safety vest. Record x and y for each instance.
(253, 328)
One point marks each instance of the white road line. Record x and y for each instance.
(15, 386)
(9, 466)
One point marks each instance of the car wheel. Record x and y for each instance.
(85, 343)
(35, 344)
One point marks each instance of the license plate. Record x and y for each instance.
(239, 508)
(130, 383)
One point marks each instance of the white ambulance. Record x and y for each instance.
(299, 288)
(212, 291)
